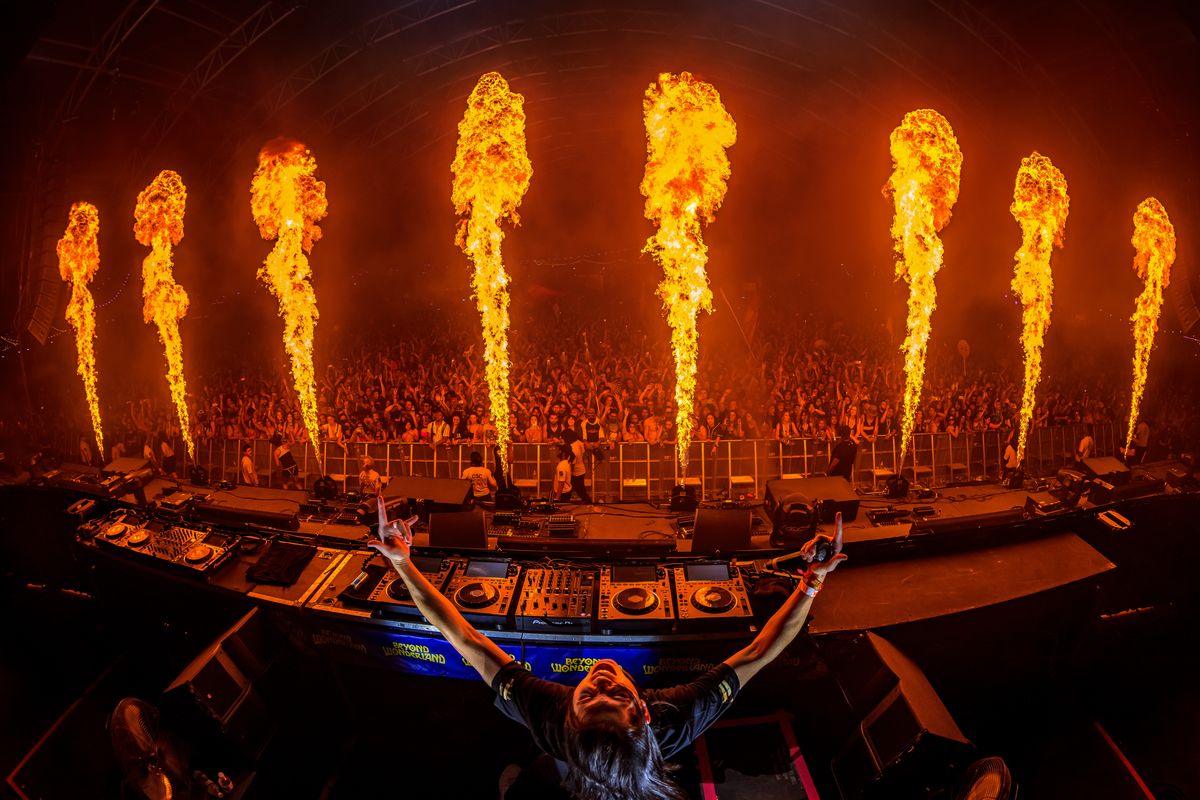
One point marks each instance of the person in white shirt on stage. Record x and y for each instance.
(483, 483)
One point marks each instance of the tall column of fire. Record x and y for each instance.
(158, 224)
(687, 173)
(1040, 205)
(1154, 245)
(491, 175)
(924, 187)
(78, 261)
(287, 201)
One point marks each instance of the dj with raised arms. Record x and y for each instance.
(608, 738)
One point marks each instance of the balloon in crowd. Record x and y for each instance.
(491, 175)
(688, 131)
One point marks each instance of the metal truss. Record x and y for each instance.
(232, 46)
(1027, 67)
(378, 29)
(469, 46)
(102, 55)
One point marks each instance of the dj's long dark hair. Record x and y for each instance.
(609, 760)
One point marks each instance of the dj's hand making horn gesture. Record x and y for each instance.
(394, 542)
(395, 537)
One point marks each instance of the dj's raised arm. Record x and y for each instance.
(788, 621)
(482, 653)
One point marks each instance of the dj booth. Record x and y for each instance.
(661, 615)
(664, 592)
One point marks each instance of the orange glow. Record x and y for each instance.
(687, 171)
(158, 224)
(924, 187)
(491, 175)
(287, 201)
(78, 260)
(1154, 243)
(1040, 205)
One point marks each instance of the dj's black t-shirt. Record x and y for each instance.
(678, 714)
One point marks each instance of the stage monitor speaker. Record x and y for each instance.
(1180, 477)
(1103, 492)
(906, 738)
(218, 694)
(991, 519)
(125, 466)
(458, 529)
(658, 547)
(1107, 469)
(220, 514)
(430, 495)
(1042, 503)
(723, 531)
(828, 495)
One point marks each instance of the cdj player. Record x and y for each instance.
(635, 597)
(198, 551)
(711, 591)
(485, 590)
(377, 585)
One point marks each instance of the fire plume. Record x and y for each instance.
(924, 185)
(687, 171)
(1154, 243)
(491, 175)
(158, 224)
(1040, 205)
(287, 201)
(78, 260)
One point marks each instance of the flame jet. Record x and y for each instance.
(1154, 243)
(158, 224)
(491, 175)
(1040, 205)
(78, 261)
(924, 187)
(687, 171)
(287, 201)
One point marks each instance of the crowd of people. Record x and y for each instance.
(604, 381)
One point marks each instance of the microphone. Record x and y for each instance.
(822, 551)
(777, 563)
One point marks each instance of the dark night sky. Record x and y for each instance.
(1106, 89)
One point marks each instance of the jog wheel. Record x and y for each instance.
(398, 591)
(635, 600)
(198, 554)
(116, 530)
(476, 595)
(713, 599)
(138, 538)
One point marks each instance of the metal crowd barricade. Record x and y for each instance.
(637, 471)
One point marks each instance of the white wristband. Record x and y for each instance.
(811, 590)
